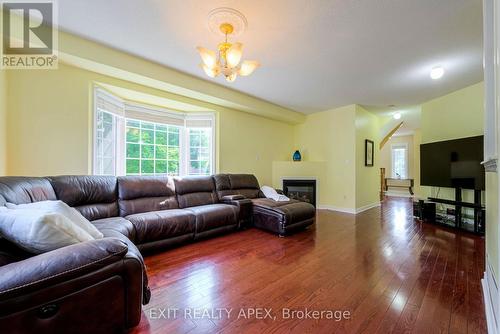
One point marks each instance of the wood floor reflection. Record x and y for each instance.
(390, 273)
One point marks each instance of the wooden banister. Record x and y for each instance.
(389, 135)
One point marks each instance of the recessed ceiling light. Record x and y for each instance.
(437, 72)
(396, 115)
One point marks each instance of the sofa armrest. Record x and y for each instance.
(83, 288)
(230, 198)
(59, 265)
(244, 207)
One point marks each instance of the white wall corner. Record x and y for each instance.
(491, 299)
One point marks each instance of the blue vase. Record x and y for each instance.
(297, 156)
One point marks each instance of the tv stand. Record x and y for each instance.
(479, 218)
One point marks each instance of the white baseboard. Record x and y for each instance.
(349, 210)
(367, 207)
(491, 299)
(405, 194)
(336, 208)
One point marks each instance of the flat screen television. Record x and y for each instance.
(453, 163)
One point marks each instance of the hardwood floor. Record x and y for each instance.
(393, 275)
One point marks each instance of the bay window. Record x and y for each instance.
(134, 139)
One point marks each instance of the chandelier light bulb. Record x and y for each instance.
(247, 67)
(397, 115)
(234, 54)
(207, 56)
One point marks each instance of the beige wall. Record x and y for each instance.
(386, 156)
(367, 178)
(329, 136)
(417, 140)
(50, 132)
(249, 144)
(3, 122)
(456, 115)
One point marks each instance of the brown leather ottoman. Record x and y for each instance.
(282, 217)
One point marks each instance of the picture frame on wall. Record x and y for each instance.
(369, 152)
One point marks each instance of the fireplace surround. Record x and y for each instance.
(300, 189)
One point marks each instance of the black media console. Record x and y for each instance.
(427, 211)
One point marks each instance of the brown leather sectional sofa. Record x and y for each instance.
(99, 286)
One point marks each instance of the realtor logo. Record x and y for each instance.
(29, 39)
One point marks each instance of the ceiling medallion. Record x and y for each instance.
(226, 22)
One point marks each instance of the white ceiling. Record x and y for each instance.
(315, 55)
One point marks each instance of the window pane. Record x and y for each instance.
(135, 124)
(147, 136)
(194, 153)
(161, 152)
(194, 167)
(195, 139)
(146, 125)
(161, 167)
(173, 153)
(148, 152)
(173, 139)
(399, 168)
(133, 150)
(173, 167)
(108, 130)
(105, 143)
(132, 166)
(161, 127)
(107, 117)
(132, 135)
(147, 167)
(205, 139)
(161, 138)
(108, 166)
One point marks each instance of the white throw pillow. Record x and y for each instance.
(273, 194)
(63, 209)
(38, 231)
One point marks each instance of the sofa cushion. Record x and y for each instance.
(117, 224)
(215, 215)
(158, 225)
(94, 196)
(195, 191)
(21, 190)
(138, 194)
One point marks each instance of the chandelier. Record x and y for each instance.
(227, 59)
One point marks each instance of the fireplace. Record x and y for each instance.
(302, 190)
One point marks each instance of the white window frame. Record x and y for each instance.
(393, 172)
(180, 119)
